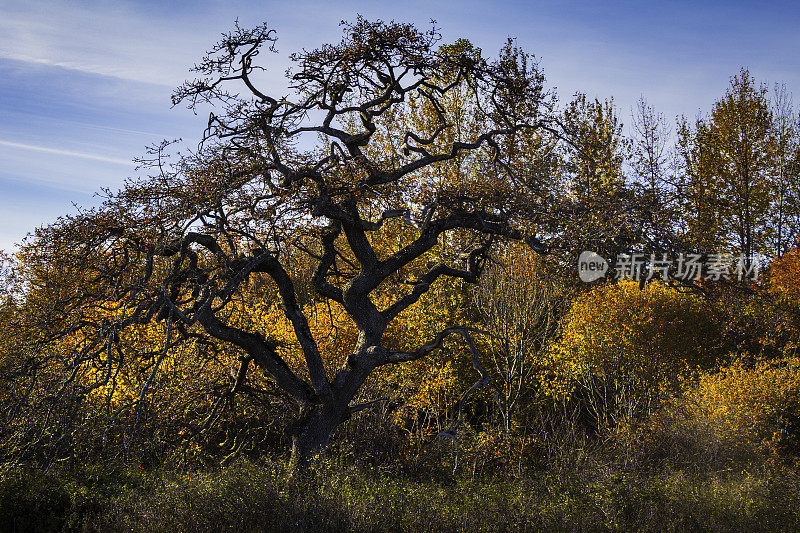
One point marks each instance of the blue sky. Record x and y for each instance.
(85, 86)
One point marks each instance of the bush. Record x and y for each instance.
(621, 347)
(727, 419)
(750, 408)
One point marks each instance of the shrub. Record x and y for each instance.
(750, 408)
(622, 346)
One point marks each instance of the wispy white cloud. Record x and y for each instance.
(110, 39)
(152, 43)
(68, 153)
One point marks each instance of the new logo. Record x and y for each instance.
(591, 266)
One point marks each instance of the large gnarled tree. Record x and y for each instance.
(372, 134)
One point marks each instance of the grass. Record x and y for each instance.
(254, 497)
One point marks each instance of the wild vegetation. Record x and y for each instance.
(357, 307)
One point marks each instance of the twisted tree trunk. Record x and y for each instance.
(311, 434)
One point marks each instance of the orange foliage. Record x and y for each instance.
(785, 274)
(756, 407)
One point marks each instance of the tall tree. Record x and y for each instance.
(280, 177)
(653, 163)
(741, 133)
(701, 206)
(650, 148)
(730, 169)
(786, 127)
(595, 157)
(613, 210)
